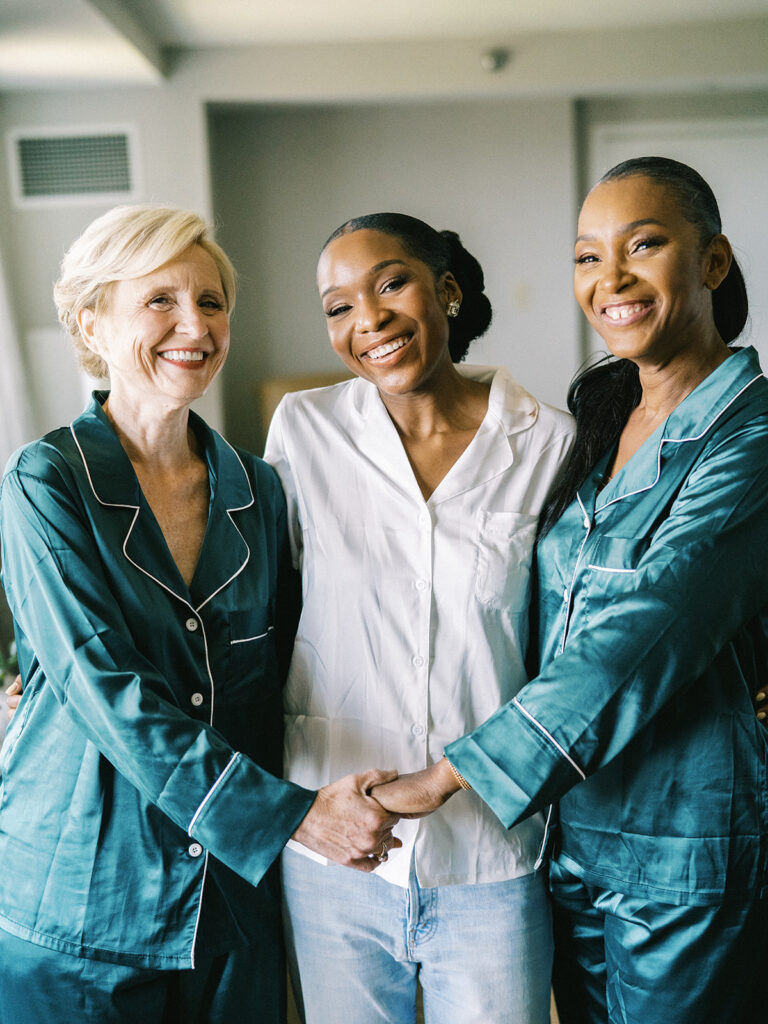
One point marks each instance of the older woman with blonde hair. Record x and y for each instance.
(145, 561)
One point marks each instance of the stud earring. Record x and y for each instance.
(453, 308)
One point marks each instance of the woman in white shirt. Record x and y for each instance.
(413, 494)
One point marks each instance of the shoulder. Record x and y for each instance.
(556, 423)
(327, 401)
(517, 408)
(742, 419)
(47, 459)
(303, 418)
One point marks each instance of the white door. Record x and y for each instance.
(732, 155)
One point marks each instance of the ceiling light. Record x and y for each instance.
(495, 59)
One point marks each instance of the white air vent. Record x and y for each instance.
(84, 165)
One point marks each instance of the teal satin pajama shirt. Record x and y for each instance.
(141, 768)
(653, 611)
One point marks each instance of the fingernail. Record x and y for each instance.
(760, 696)
(760, 716)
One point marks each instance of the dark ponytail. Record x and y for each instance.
(730, 306)
(602, 397)
(443, 252)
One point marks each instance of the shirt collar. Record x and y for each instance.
(111, 473)
(699, 411)
(225, 551)
(514, 408)
(693, 418)
(510, 410)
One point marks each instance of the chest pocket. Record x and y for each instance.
(503, 563)
(616, 556)
(611, 568)
(251, 661)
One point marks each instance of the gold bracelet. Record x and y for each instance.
(457, 775)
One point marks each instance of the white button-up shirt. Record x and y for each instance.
(415, 617)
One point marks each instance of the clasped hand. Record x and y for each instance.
(347, 825)
(351, 820)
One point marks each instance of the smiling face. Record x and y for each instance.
(643, 277)
(386, 313)
(164, 335)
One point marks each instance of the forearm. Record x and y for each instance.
(419, 793)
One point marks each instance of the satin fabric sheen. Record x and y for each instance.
(653, 635)
(140, 768)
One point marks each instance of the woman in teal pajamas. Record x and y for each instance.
(653, 632)
(145, 561)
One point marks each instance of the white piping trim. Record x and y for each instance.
(107, 504)
(238, 508)
(211, 791)
(679, 440)
(550, 737)
(607, 568)
(234, 574)
(199, 912)
(115, 504)
(588, 527)
(136, 510)
(208, 669)
(540, 858)
(247, 639)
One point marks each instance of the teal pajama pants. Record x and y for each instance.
(42, 986)
(627, 960)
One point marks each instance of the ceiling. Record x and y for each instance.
(48, 42)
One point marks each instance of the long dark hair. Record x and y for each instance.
(443, 252)
(602, 396)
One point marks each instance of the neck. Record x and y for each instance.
(153, 435)
(446, 400)
(665, 385)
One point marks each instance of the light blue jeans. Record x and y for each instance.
(357, 944)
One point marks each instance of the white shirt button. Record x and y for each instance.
(424, 518)
(417, 660)
(197, 699)
(587, 523)
(195, 850)
(565, 594)
(417, 730)
(421, 584)
(191, 625)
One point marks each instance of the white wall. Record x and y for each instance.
(499, 172)
(173, 168)
(491, 155)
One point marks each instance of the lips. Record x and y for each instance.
(386, 348)
(182, 355)
(625, 312)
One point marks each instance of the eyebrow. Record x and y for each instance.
(371, 273)
(172, 289)
(625, 228)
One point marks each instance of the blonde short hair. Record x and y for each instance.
(125, 243)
